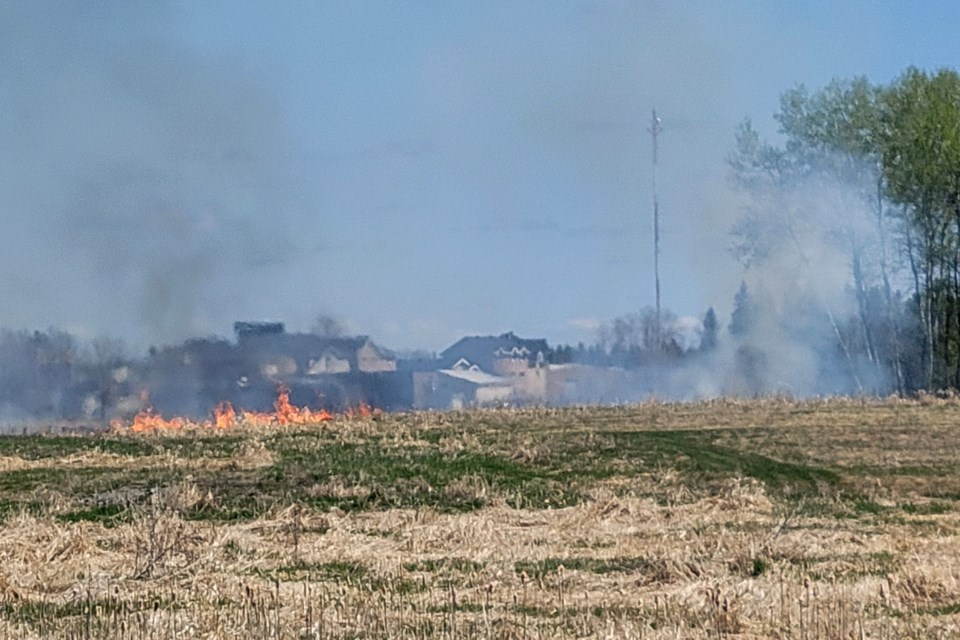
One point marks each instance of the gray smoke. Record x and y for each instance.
(148, 190)
(794, 329)
(152, 189)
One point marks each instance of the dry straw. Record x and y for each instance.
(646, 555)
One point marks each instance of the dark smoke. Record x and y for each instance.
(153, 187)
(152, 190)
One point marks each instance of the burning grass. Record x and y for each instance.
(224, 416)
(758, 519)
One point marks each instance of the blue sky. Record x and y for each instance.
(420, 170)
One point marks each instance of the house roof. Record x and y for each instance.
(476, 377)
(256, 328)
(305, 346)
(484, 350)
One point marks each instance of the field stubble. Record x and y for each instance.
(722, 519)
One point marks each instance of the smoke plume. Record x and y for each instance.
(149, 188)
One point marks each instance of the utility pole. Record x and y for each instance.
(655, 130)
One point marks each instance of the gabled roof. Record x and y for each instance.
(256, 328)
(484, 350)
(477, 377)
(464, 365)
(306, 343)
(304, 347)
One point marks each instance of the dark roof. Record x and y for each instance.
(304, 347)
(484, 350)
(247, 329)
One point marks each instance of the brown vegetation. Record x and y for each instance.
(760, 519)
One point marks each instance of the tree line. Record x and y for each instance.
(873, 170)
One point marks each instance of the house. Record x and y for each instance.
(462, 385)
(586, 384)
(335, 373)
(282, 355)
(497, 354)
(519, 361)
(190, 378)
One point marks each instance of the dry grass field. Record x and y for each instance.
(723, 519)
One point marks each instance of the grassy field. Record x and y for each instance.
(723, 519)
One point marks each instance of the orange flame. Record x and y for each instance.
(258, 418)
(287, 413)
(147, 421)
(362, 410)
(226, 417)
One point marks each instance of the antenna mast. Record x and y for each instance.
(655, 130)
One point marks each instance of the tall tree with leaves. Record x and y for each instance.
(921, 165)
(842, 127)
(834, 138)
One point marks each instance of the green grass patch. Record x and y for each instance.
(943, 610)
(459, 607)
(106, 514)
(215, 447)
(935, 508)
(582, 543)
(758, 566)
(550, 613)
(400, 477)
(532, 459)
(459, 565)
(24, 480)
(41, 446)
(81, 618)
(340, 572)
(847, 566)
(621, 564)
(226, 514)
(918, 471)
(694, 453)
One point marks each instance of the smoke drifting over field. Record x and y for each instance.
(168, 168)
(148, 189)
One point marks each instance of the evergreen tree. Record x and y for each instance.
(710, 327)
(743, 318)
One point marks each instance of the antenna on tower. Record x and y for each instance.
(655, 129)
